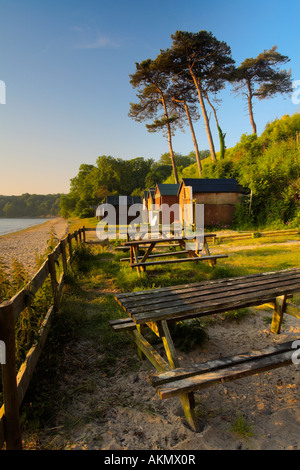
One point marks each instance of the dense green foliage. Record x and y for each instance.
(30, 205)
(269, 169)
(114, 176)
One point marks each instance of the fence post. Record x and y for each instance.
(64, 255)
(12, 426)
(83, 231)
(76, 238)
(54, 283)
(70, 246)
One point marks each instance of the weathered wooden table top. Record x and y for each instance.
(209, 297)
(147, 241)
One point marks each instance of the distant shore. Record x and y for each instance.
(25, 245)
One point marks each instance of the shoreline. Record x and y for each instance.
(25, 245)
(45, 220)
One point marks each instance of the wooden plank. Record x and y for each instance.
(208, 379)
(148, 252)
(159, 255)
(180, 260)
(27, 368)
(24, 297)
(153, 356)
(216, 290)
(60, 287)
(54, 283)
(157, 379)
(293, 310)
(13, 436)
(2, 433)
(169, 345)
(64, 255)
(164, 240)
(135, 254)
(278, 314)
(213, 296)
(191, 310)
(124, 325)
(187, 399)
(227, 281)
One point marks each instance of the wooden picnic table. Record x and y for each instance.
(193, 253)
(156, 308)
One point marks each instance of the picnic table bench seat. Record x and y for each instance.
(210, 258)
(156, 308)
(197, 377)
(193, 248)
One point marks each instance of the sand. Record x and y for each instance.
(24, 246)
(121, 411)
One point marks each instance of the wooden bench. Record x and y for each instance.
(178, 381)
(211, 258)
(150, 244)
(155, 308)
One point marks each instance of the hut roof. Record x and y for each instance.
(168, 189)
(120, 200)
(212, 185)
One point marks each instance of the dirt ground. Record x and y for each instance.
(123, 411)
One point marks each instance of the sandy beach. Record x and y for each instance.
(23, 246)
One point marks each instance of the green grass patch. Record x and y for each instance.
(241, 428)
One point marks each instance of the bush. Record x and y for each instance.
(268, 167)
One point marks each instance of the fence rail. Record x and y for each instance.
(15, 385)
(246, 235)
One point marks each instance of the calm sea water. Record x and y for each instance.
(14, 225)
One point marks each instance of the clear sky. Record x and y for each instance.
(66, 66)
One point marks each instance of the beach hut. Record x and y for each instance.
(166, 196)
(149, 203)
(219, 196)
(121, 205)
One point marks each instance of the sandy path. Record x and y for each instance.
(26, 244)
(121, 411)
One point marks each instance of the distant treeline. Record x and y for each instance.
(30, 205)
(114, 176)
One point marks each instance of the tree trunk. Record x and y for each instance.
(251, 108)
(170, 140)
(172, 154)
(221, 135)
(206, 121)
(194, 138)
(193, 134)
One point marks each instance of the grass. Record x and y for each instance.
(241, 428)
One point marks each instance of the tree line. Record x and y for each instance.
(30, 205)
(189, 75)
(115, 176)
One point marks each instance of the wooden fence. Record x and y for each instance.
(16, 385)
(247, 235)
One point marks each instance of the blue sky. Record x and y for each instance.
(66, 66)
